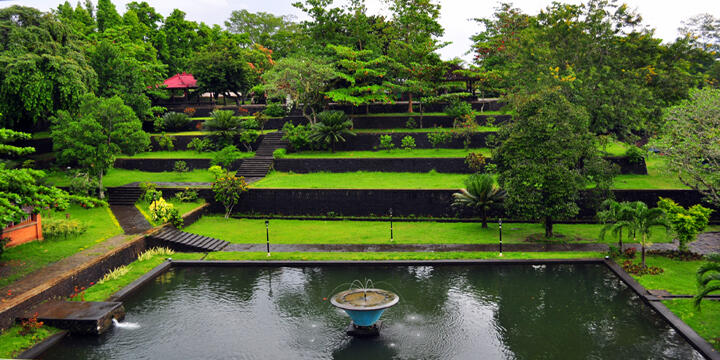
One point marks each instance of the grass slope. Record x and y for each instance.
(120, 177)
(181, 154)
(394, 153)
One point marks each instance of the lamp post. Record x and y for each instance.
(500, 230)
(391, 228)
(267, 236)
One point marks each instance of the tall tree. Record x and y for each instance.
(181, 38)
(278, 33)
(221, 68)
(547, 157)
(93, 136)
(107, 15)
(42, 68)
(362, 75)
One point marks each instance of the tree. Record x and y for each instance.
(689, 141)
(612, 219)
(332, 128)
(107, 15)
(640, 220)
(42, 68)
(99, 131)
(181, 37)
(480, 194)
(225, 124)
(413, 48)
(362, 75)
(547, 157)
(302, 80)
(22, 189)
(221, 68)
(685, 223)
(227, 189)
(279, 33)
(708, 278)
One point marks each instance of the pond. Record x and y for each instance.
(554, 311)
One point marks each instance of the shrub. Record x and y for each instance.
(638, 269)
(411, 123)
(30, 326)
(83, 184)
(475, 161)
(172, 121)
(630, 253)
(386, 142)
(115, 274)
(180, 166)
(261, 120)
(251, 124)
(58, 227)
(199, 144)
(275, 110)
(635, 154)
(190, 111)
(243, 111)
(464, 128)
(248, 138)
(162, 212)
(685, 223)
(298, 136)
(226, 156)
(227, 189)
(225, 123)
(459, 110)
(150, 192)
(279, 153)
(332, 128)
(437, 138)
(407, 143)
(28, 164)
(187, 195)
(166, 142)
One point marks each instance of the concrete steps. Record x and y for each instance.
(183, 241)
(124, 195)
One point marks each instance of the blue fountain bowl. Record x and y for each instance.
(365, 317)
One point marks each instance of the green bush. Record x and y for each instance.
(248, 137)
(459, 110)
(275, 110)
(150, 192)
(224, 123)
(279, 153)
(187, 195)
(166, 142)
(172, 121)
(332, 128)
(180, 166)
(226, 156)
(386, 142)
(59, 227)
(407, 143)
(437, 138)
(411, 123)
(250, 124)
(83, 184)
(635, 154)
(200, 144)
(299, 136)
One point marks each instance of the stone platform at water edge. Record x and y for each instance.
(82, 317)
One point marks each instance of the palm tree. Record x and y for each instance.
(481, 193)
(611, 216)
(332, 128)
(640, 221)
(708, 278)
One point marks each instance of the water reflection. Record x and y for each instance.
(459, 312)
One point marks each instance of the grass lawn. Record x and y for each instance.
(657, 178)
(394, 153)
(181, 154)
(183, 207)
(350, 256)
(678, 277)
(417, 114)
(201, 132)
(706, 322)
(26, 258)
(423, 130)
(377, 232)
(362, 180)
(12, 343)
(120, 177)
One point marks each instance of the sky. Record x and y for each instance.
(665, 16)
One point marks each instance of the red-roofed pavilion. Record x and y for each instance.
(181, 81)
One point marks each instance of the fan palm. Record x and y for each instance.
(708, 278)
(640, 220)
(481, 194)
(613, 214)
(332, 128)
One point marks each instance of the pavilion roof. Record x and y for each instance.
(181, 81)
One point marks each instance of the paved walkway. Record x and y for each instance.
(131, 219)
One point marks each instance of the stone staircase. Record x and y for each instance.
(124, 195)
(182, 241)
(259, 165)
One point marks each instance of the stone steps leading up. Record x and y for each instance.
(184, 241)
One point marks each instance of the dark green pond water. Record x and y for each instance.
(445, 312)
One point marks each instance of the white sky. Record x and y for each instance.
(663, 15)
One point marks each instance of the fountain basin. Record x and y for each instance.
(364, 306)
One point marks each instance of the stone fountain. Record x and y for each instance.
(364, 306)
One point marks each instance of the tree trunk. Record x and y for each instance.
(484, 219)
(642, 250)
(410, 103)
(100, 186)
(421, 114)
(548, 227)
(367, 109)
(620, 241)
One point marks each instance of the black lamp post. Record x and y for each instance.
(500, 229)
(391, 228)
(267, 236)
